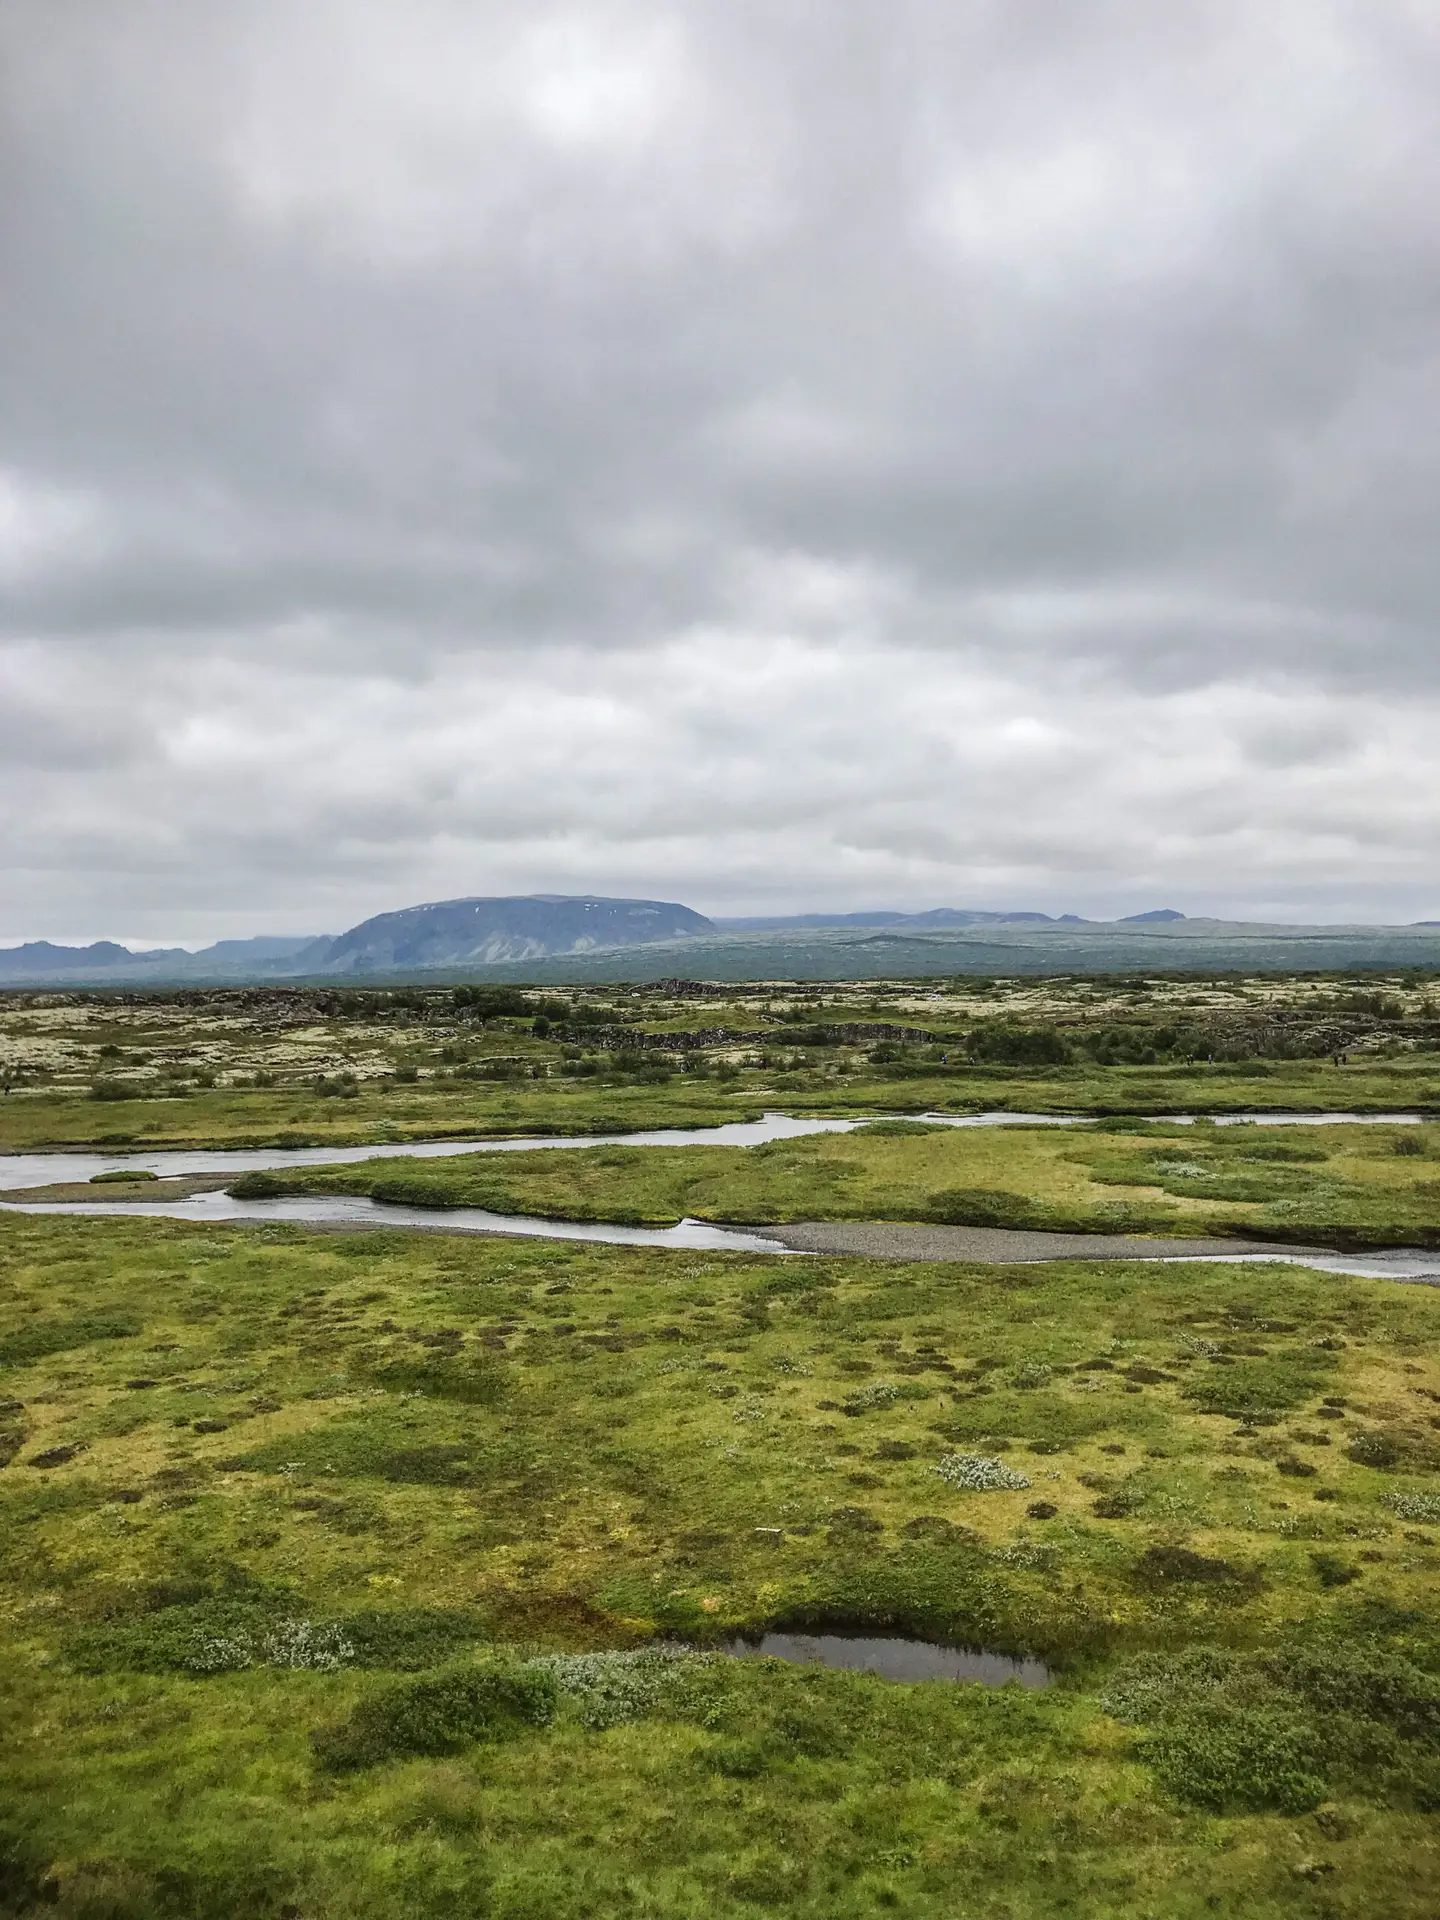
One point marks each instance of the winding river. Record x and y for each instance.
(32, 1170)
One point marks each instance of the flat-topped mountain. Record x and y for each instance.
(482, 931)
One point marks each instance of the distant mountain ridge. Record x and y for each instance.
(39, 958)
(558, 938)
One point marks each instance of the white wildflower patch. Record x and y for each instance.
(752, 1407)
(1029, 1554)
(292, 1643)
(979, 1473)
(880, 1394)
(1031, 1373)
(1414, 1506)
(607, 1689)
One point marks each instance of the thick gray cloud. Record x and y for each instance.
(967, 451)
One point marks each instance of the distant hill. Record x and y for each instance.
(261, 946)
(41, 957)
(479, 932)
(42, 960)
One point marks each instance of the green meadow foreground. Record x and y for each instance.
(383, 1573)
(342, 1576)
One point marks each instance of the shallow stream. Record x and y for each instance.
(29, 1170)
(55, 1167)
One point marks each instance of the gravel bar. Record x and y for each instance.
(902, 1240)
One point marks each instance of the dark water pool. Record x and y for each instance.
(892, 1658)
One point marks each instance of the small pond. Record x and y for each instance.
(892, 1658)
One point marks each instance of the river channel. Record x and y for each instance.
(337, 1211)
(53, 1168)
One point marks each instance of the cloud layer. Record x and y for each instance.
(754, 454)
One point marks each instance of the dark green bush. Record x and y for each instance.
(258, 1185)
(1373, 1448)
(1243, 1731)
(439, 1715)
(1368, 1683)
(980, 1207)
(1163, 1565)
(39, 1340)
(740, 1759)
(1238, 1763)
(1332, 1571)
(1259, 1386)
(411, 1638)
(411, 1192)
(1009, 1046)
(1121, 1504)
(475, 1380)
(14, 1428)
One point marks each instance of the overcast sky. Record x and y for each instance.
(762, 453)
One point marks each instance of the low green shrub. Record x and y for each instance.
(14, 1428)
(1332, 1571)
(412, 1638)
(1244, 1731)
(412, 1193)
(980, 1207)
(44, 1337)
(440, 1714)
(1162, 1566)
(1238, 1763)
(212, 1636)
(259, 1185)
(470, 1378)
(1273, 1385)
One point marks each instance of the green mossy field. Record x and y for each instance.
(355, 1574)
(388, 1573)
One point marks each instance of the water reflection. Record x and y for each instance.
(892, 1658)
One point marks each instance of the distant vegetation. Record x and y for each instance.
(343, 1063)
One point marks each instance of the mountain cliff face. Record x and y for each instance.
(478, 932)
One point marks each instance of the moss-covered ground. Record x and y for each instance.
(292, 1523)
